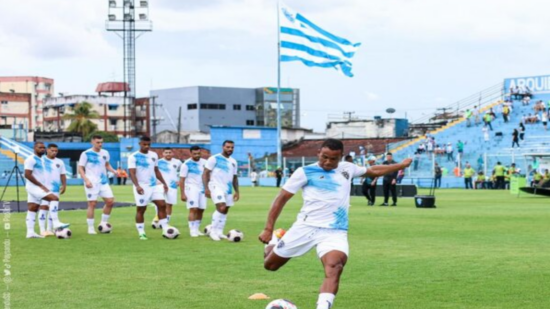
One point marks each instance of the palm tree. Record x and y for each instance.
(80, 119)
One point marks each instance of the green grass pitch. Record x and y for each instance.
(478, 249)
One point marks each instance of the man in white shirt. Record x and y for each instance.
(92, 167)
(145, 175)
(219, 179)
(56, 182)
(192, 189)
(169, 168)
(323, 220)
(35, 173)
(254, 178)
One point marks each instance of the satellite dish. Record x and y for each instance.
(390, 110)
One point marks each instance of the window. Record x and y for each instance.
(112, 122)
(213, 106)
(113, 107)
(4, 102)
(236, 107)
(191, 106)
(250, 122)
(250, 107)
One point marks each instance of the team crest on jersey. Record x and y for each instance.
(175, 166)
(105, 158)
(89, 195)
(280, 244)
(141, 201)
(219, 197)
(153, 159)
(58, 166)
(345, 174)
(191, 203)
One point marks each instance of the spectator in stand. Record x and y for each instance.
(437, 175)
(487, 118)
(421, 148)
(498, 172)
(449, 152)
(254, 178)
(486, 135)
(539, 106)
(430, 147)
(439, 150)
(526, 100)
(521, 131)
(369, 184)
(469, 173)
(480, 181)
(468, 116)
(416, 161)
(480, 163)
(505, 112)
(515, 138)
(457, 171)
(460, 148)
(544, 119)
(475, 114)
(279, 176)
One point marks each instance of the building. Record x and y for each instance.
(376, 128)
(115, 114)
(202, 107)
(40, 88)
(15, 115)
(257, 142)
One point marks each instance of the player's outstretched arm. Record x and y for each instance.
(236, 196)
(205, 181)
(276, 208)
(30, 177)
(381, 170)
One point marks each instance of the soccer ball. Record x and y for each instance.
(63, 233)
(235, 236)
(281, 304)
(207, 229)
(104, 227)
(155, 225)
(171, 233)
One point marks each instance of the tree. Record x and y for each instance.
(107, 137)
(81, 119)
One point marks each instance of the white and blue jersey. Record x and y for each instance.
(35, 164)
(94, 164)
(326, 194)
(192, 171)
(223, 170)
(145, 164)
(54, 169)
(169, 171)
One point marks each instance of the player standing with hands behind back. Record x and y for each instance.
(323, 220)
(219, 179)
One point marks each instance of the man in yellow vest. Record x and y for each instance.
(498, 172)
(469, 172)
(480, 181)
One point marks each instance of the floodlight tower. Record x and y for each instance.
(129, 22)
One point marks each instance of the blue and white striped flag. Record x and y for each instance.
(302, 40)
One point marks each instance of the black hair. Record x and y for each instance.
(228, 142)
(167, 148)
(389, 154)
(333, 144)
(97, 137)
(38, 143)
(145, 139)
(348, 157)
(194, 148)
(52, 146)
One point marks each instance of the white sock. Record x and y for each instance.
(191, 225)
(168, 218)
(156, 211)
(197, 225)
(49, 224)
(54, 207)
(325, 301)
(31, 220)
(90, 223)
(141, 228)
(105, 218)
(42, 213)
(164, 224)
(221, 223)
(215, 221)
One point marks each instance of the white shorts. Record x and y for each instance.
(35, 195)
(195, 198)
(98, 190)
(46, 203)
(301, 238)
(219, 195)
(150, 194)
(171, 196)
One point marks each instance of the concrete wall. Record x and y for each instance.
(383, 128)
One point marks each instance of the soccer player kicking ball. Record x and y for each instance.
(56, 182)
(169, 168)
(323, 221)
(192, 189)
(219, 179)
(92, 167)
(35, 173)
(145, 174)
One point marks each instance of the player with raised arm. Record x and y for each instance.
(35, 173)
(145, 175)
(56, 181)
(323, 220)
(192, 189)
(169, 168)
(219, 179)
(92, 167)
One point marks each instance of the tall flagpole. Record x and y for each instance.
(279, 148)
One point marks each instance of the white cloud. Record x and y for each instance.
(371, 96)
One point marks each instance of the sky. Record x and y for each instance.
(416, 55)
